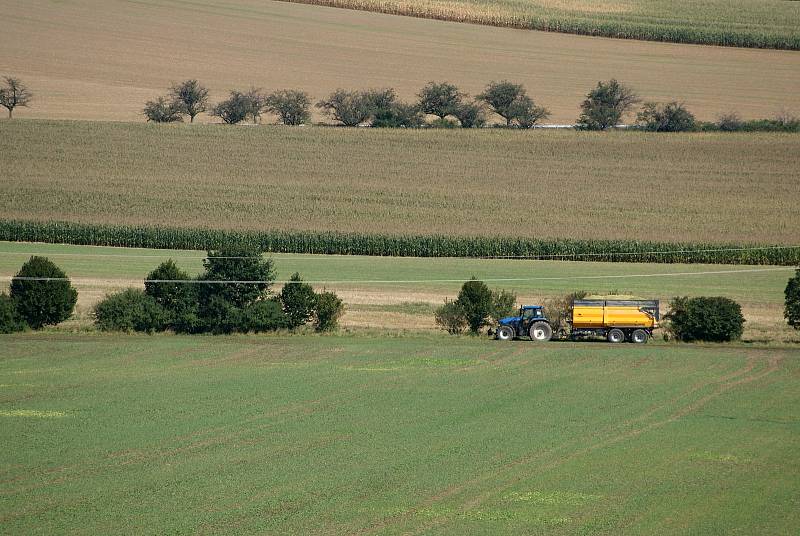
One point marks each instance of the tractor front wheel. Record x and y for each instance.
(541, 332)
(505, 333)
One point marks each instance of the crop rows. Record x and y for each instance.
(398, 246)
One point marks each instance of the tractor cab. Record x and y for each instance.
(530, 322)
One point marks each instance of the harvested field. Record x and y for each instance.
(103, 59)
(715, 188)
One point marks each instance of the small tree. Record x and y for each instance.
(235, 109)
(729, 122)
(670, 117)
(179, 300)
(525, 113)
(714, 319)
(10, 320)
(257, 102)
(503, 304)
(130, 310)
(440, 99)
(503, 98)
(42, 292)
(299, 301)
(470, 115)
(329, 310)
(253, 275)
(14, 93)
(162, 111)
(291, 105)
(451, 317)
(792, 293)
(263, 315)
(398, 115)
(190, 98)
(351, 108)
(605, 105)
(477, 301)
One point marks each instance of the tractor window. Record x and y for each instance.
(532, 313)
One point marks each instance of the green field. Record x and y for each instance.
(355, 434)
(553, 184)
(391, 293)
(742, 23)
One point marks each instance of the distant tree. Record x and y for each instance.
(299, 301)
(129, 310)
(380, 98)
(291, 105)
(670, 117)
(43, 294)
(477, 301)
(729, 122)
(524, 112)
(162, 111)
(351, 108)
(257, 101)
(237, 263)
(234, 109)
(439, 99)
(714, 319)
(605, 105)
(329, 310)
(503, 304)
(14, 93)
(792, 293)
(470, 114)
(501, 97)
(190, 97)
(179, 300)
(263, 315)
(398, 115)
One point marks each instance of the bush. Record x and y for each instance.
(163, 111)
(670, 117)
(130, 310)
(264, 315)
(729, 122)
(10, 320)
(179, 300)
(714, 319)
(299, 301)
(439, 99)
(291, 105)
(792, 293)
(525, 113)
(558, 310)
(351, 108)
(470, 115)
(237, 263)
(398, 115)
(477, 302)
(235, 109)
(451, 317)
(605, 105)
(40, 302)
(504, 303)
(443, 123)
(329, 309)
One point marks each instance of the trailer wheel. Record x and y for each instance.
(541, 332)
(504, 333)
(616, 335)
(639, 336)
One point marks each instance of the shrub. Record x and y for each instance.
(190, 97)
(500, 96)
(235, 109)
(670, 117)
(439, 99)
(329, 309)
(220, 316)
(351, 108)
(558, 310)
(477, 302)
(299, 301)
(41, 302)
(525, 113)
(264, 315)
(291, 105)
(129, 310)
(163, 111)
(714, 319)
(10, 320)
(443, 123)
(605, 105)
(451, 317)
(179, 300)
(504, 303)
(729, 122)
(470, 115)
(237, 263)
(792, 293)
(398, 115)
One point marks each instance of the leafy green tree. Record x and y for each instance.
(351, 108)
(235, 109)
(329, 310)
(130, 310)
(179, 300)
(291, 105)
(504, 303)
(439, 99)
(14, 93)
(257, 104)
(189, 97)
(252, 275)
(263, 315)
(503, 98)
(714, 319)
(10, 320)
(398, 115)
(162, 111)
(451, 317)
(792, 293)
(42, 292)
(477, 302)
(670, 117)
(470, 115)
(524, 112)
(299, 301)
(605, 105)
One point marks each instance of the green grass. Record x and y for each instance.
(344, 434)
(697, 188)
(740, 23)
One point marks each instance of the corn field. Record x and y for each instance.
(397, 245)
(751, 24)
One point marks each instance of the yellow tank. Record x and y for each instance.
(615, 314)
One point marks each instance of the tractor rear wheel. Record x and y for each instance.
(505, 333)
(616, 335)
(541, 332)
(639, 336)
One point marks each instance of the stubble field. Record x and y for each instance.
(103, 59)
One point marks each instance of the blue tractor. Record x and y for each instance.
(531, 322)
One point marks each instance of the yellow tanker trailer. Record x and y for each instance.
(615, 320)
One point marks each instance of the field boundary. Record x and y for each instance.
(593, 28)
(276, 241)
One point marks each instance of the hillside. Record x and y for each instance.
(103, 59)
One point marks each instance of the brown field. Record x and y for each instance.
(102, 59)
(698, 187)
